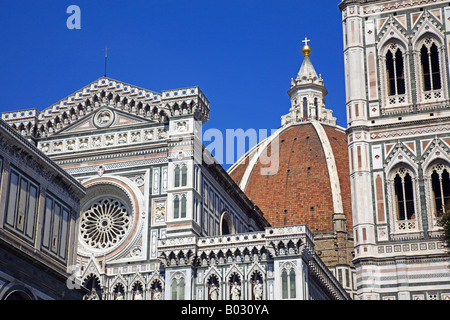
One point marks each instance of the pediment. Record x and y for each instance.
(131, 104)
(104, 118)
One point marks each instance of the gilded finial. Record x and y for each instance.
(306, 50)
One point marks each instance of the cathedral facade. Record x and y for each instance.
(396, 57)
(161, 219)
(130, 205)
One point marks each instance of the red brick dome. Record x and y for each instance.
(311, 182)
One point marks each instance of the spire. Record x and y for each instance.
(307, 71)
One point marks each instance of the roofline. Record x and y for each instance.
(278, 132)
(40, 156)
(223, 178)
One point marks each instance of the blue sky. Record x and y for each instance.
(242, 54)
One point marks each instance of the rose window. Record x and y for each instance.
(105, 223)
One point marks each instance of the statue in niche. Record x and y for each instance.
(109, 140)
(258, 290)
(119, 296)
(92, 295)
(213, 292)
(157, 294)
(181, 126)
(235, 291)
(135, 136)
(138, 295)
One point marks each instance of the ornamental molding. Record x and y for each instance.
(397, 5)
(102, 142)
(117, 165)
(109, 156)
(401, 154)
(436, 150)
(392, 29)
(106, 92)
(409, 132)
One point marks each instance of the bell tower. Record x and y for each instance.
(398, 116)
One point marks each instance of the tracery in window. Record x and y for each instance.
(288, 290)
(180, 175)
(395, 71)
(178, 287)
(404, 196)
(179, 206)
(404, 201)
(105, 223)
(440, 185)
(429, 62)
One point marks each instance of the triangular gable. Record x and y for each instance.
(425, 144)
(402, 20)
(415, 17)
(392, 30)
(437, 14)
(93, 121)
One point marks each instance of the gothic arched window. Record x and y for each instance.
(179, 206)
(177, 176)
(440, 185)
(429, 62)
(404, 195)
(176, 208)
(183, 175)
(180, 175)
(316, 106)
(183, 207)
(288, 290)
(395, 71)
(404, 201)
(177, 287)
(305, 108)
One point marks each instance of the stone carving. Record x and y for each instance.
(160, 211)
(71, 145)
(104, 118)
(57, 146)
(96, 141)
(258, 290)
(214, 292)
(84, 143)
(135, 136)
(181, 126)
(235, 291)
(149, 135)
(122, 138)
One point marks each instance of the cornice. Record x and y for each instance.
(20, 144)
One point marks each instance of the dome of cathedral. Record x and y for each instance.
(300, 174)
(308, 184)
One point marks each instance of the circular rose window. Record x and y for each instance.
(105, 223)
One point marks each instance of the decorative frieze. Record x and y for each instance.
(93, 141)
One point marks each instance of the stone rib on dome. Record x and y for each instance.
(312, 181)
